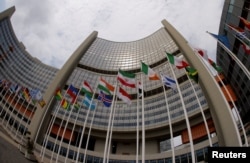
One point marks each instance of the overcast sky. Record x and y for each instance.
(52, 29)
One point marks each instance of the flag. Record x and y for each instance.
(179, 63)
(148, 71)
(26, 94)
(246, 48)
(87, 89)
(105, 86)
(58, 94)
(87, 102)
(124, 96)
(42, 103)
(140, 88)
(72, 91)
(36, 94)
(168, 81)
(64, 104)
(106, 99)
(239, 31)
(127, 79)
(76, 106)
(246, 22)
(203, 53)
(222, 38)
(192, 73)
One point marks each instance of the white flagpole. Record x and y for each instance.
(170, 124)
(71, 135)
(87, 143)
(232, 55)
(51, 125)
(236, 110)
(202, 113)
(29, 118)
(59, 130)
(15, 120)
(137, 125)
(143, 124)
(21, 120)
(83, 130)
(85, 153)
(16, 114)
(39, 128)
(65, 126)
(3, 97)
(111, 130)
(13, 108)
(6, 101)
(186, 117)
(110, 116)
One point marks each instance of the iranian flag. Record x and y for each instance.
(105, 86)
(179, 63)
(148, 71)
(87, 89)
(124, 96)
(127, 79)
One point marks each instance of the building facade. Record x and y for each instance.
(19, 71)
(236, 71)
(156, 124)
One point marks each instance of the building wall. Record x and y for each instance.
(235, 76)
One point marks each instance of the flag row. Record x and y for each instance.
(29, 95)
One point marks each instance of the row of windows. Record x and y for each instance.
(18, 65)
(200, 155)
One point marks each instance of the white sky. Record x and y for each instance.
(52, 29)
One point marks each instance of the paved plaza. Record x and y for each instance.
(9, 152)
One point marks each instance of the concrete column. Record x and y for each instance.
(226, 128)
(58, 82)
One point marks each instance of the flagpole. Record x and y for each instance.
(39, 128)
(5, 87)
(21, 120)
(236, 110)
(59, 130)
(65, 127)
(71, 135)
(232, 55)
(111, 130)
(3, 96)
(15, 120)
(186, 117)
(170, 124)
(6, 101)
(137, 126)
(111, 110)
(245, 37)
(10, 105)
(81, 139)
(85, 153)
(16, 114)
(143, 124)
(92, 98)
(51, 125)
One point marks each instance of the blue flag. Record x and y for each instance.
(169, 82)
(106, 99)
(222, 38)
(87, 101)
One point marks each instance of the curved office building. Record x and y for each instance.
(18, 71)
(237, 70)
(151, 122)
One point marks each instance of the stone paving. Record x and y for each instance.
(9, 152)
